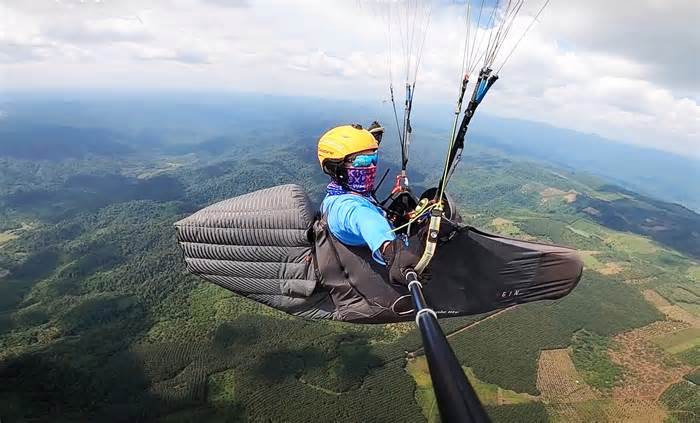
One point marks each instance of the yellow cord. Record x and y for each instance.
(419, 214)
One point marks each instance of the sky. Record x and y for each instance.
(626, 70)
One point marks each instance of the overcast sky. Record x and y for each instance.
(628, 70)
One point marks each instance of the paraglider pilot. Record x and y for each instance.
(348, 154)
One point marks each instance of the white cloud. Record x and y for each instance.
(662, 34)
(97, 31)
(188, 56)
(626, 70)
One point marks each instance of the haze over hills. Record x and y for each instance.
(99, 321)
(657, 173)
(168, 118)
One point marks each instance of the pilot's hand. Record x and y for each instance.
(399, 258)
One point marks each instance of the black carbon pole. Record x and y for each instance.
(455, 396)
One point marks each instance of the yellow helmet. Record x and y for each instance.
(339, 143)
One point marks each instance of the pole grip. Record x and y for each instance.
(455, 396)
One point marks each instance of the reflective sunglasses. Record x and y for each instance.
(364, 160)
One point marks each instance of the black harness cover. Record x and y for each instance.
(271, 247)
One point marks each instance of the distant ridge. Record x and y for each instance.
(49, 142)
(657, 173)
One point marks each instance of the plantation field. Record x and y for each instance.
(683, 402)
(559, 381)
(569, 398)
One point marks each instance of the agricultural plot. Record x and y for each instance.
(690, 356)
(694, 273)
(553, 194)
(188, 386)
(613, 268)
(579, 232)
(683, 293)
(608, 195)
(633, 411)
(559, 381)
(672, 312)
(12, 234)
(7, 236)
(569, 398)
(425, 397)
(579, 412)
(648, 371)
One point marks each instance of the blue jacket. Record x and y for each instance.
(355, 220)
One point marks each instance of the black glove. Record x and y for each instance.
(399, 258)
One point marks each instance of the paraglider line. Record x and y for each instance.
(523, 36)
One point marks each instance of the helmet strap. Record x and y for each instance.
(336, 170)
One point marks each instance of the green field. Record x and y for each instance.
(590, 356)
(631, 244)
(488, 393)
(680, 341)
(221, 388)
(590, 261)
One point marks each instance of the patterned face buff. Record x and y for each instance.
(361, 172)
(361, 179)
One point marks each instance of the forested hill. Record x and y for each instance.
(100, 322)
